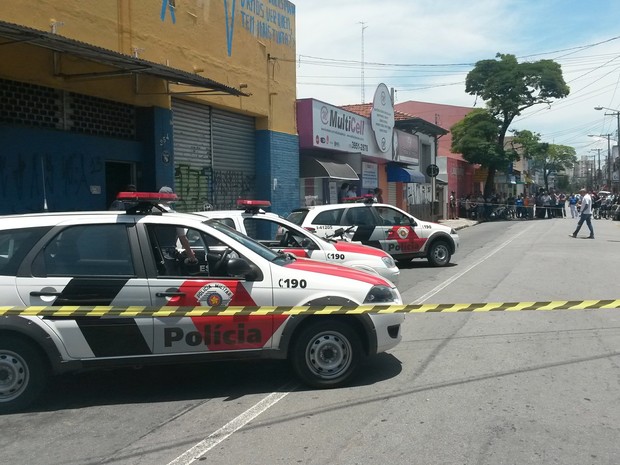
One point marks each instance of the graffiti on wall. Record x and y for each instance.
(199, 189)
(28, 181)
(229, 186)
(192, 186)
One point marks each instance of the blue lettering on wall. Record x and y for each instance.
(164, 4)
(230, 25)
(267, 20)
(264, 19)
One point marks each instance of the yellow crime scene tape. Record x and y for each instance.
(170, 311)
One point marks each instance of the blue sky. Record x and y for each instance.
(425, 48)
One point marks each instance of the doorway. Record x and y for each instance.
(117, 176)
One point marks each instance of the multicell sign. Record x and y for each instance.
(337, 129)
(325, 126)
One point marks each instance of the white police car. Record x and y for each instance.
(136, 258)
(280, 234)
(383, 226)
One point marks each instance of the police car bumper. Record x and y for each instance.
(455, 238)
(388, 330)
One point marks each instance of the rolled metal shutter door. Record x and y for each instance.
(234, 158)
(392, 194)
(191, 124)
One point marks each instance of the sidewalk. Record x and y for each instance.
(459, 223)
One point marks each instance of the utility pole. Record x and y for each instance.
(363, 28)
(598, 171)
(615, 113)
(608, 162)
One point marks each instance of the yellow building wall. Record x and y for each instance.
(247, 44)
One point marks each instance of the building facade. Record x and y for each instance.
(365, 147)
(456, 173)
(196, 95)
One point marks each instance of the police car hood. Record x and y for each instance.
(428, 225)
(329, 269)
(352, 247)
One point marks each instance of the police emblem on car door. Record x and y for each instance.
(206, 284)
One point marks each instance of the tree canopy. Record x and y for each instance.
(544, 156)
(507, 87)
(475, 137)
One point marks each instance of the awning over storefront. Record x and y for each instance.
(415, 124)
(396, 173)
(311, 167)
(122, 64)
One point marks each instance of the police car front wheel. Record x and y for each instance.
(23, 374)
(439, 254)
(327, 354)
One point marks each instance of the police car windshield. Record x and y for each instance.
(297, 217)
(250, 243)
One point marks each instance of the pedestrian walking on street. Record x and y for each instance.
(585, 214)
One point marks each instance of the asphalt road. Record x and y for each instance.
(532, 387)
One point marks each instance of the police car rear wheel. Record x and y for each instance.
(439, 254)
(326, 354)
(23, 374)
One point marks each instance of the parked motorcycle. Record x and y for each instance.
(499, 213)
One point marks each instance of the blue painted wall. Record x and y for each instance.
(154, 129)
(74, 167)
(277, 157)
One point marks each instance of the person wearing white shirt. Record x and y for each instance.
(585, 214)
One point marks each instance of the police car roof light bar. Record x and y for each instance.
(367, 198)
(153, 197)
(253, 203)
(252, 206)
(144, 203)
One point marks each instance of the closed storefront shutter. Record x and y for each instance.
(234, 158)
(192, 154)
(392, 195)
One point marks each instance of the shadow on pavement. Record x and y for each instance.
(230, 380)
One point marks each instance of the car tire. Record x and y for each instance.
(326, 354)
(439, 254)
(23, 374)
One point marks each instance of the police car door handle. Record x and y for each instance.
(170, 294)
(44, 293)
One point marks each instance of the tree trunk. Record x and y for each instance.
(489, 183)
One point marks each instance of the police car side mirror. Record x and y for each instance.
(240, 267)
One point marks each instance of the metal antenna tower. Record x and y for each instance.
(363, 27)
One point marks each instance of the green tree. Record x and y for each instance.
(546, 157)
(475, 137)
(509, 87)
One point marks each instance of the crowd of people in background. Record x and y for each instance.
(543, 204)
